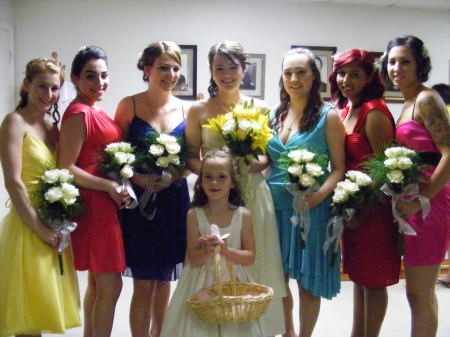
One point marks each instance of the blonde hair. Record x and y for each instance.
(155, 50)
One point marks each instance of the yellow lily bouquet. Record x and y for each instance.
(244, 129)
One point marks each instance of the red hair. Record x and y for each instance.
(373, 90)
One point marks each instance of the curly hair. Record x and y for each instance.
(419, 52)
(231, 50)
(235, 196)
(373, 90)
(155, 50)
(38, 66)
(312, 110)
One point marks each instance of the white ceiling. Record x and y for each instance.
(429, 4)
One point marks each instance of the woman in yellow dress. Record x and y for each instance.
(35, 297)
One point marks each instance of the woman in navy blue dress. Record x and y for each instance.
(154, 247)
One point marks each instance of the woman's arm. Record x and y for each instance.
(434, 116)
(197, 254)
(379, 130)
(12, 133)
(335, 137)
(124, 115)
(193, 134)
(71, 139)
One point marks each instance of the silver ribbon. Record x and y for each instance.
(300, 205)
(126, 186)
(337, 227)
(66, 229)
(412, 192)
(150, 196)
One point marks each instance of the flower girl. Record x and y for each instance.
(217, 201)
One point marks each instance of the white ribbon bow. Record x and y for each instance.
(337, 227)
(150, 195)
(126, 186)
(412, 192)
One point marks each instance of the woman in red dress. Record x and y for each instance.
(97, 243)
(370, 246)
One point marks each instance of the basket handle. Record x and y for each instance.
(231, 273)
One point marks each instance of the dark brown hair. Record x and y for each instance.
(155, 50)
(235, 197)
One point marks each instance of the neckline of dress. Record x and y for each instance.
(30, 135)
(154, 129)
(231, 221)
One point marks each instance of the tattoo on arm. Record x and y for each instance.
(435, 118)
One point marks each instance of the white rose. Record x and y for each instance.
(53, 194)
(164, 139)
(295, 170)
(301, 156)
(339, 196)
(245, 124)
(173, 148)
(163, 162)
(156, 149)
(314, 169)
(50, 176)
(359, 177)
(391, 163)
(70, 193)
(306, 180)
(112, 148)
(395, 176)
(65, 176)
(349, 187)
(407, 152)
(126, 172)
(228, 126)
(174, 159)
(121, 157)
(124, 147)
(393, 152)
(404, 163)
(256, 125)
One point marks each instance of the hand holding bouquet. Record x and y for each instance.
(244, 129)
(118, 164)
(352, 193)
(56, 201)
(305, 174)
(398, 171)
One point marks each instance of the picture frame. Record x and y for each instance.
(391, 94)
(186, 87)
(324, 61)
(253, 82)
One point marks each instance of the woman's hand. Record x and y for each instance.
(48, 235)
(120, 198)
(314, 199)
(405, 208)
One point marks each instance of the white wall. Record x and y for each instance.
(124, 28)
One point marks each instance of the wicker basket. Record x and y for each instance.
(231, 301)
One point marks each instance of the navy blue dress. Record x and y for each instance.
(154, 248)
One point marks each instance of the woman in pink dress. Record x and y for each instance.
(423, 126)
(370, 246)
(97, 243)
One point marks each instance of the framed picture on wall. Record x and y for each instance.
(324, 62)
(187, 84)
(391, 94)
(254, 77)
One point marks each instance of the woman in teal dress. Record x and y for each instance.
(302, 119)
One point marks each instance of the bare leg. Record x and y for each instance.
(446, 278)
(420, 291)
(309, 311)
(88, 305)
(375, 301)
(108, 288)
(358, 311)
(160, 302)
(288, 306)
(140, 308)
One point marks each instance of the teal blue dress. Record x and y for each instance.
(309, 265)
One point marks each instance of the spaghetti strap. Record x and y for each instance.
(182, 110)
(414, 108)
(134, 105)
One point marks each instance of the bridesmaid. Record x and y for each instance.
(302, 119)
(97, 243)
(370, 247)
(28, 256)
(154, 247)
(423, 126)
(227, 64)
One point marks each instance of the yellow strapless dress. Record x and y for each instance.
(34, 297)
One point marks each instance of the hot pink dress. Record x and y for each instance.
(370, 252)
(97, 241)
(428, 247)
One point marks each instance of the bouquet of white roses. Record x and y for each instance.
(397, 171)
(352, 193)
(305, 174)
(244, 129)
(118, 164)
(159, 154)
(56, 201)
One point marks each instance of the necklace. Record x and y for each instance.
(290, 128)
